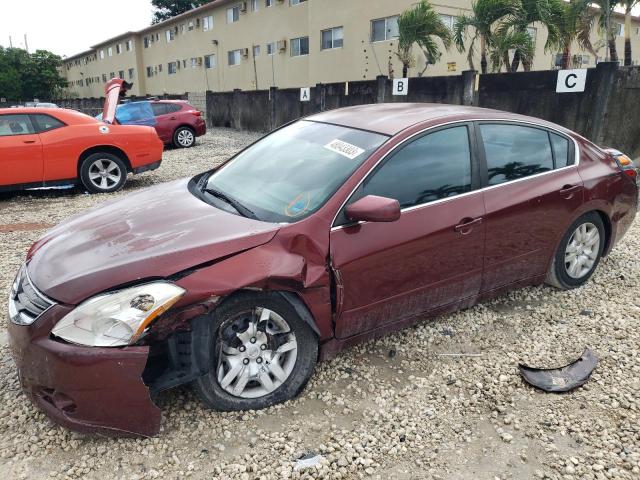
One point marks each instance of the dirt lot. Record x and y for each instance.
(394, 408)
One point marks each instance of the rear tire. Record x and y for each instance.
(184, 137)
(103, 172)
(579, 253)
(263, 354)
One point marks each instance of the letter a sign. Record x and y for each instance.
(570, 81)
(400, 86)
(305, 94)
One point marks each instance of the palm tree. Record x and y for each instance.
(574, 22)
(607, 8)
(628, 5)
(502, 41)
(422, 25)
(485, 14)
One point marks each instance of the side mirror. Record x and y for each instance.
(374, 209)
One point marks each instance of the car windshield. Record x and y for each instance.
(291, 173)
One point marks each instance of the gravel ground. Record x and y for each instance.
(393, 408)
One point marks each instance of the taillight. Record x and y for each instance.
(631, 172)
(197, 113)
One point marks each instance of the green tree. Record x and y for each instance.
(484, 18)
(506, 39)
(575, 23)
(421, 25)
(628, 5)
(25, 76)
(165, 9)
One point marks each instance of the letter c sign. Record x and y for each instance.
(570, 81)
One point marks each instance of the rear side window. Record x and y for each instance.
(159, 108)
(173, 107)
(45, 123)
(515, 151)
(435, 166)
(15, 125)
(560, 150)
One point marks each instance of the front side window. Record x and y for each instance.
(515, 151)
(210, 61)
(45, 123)
(291, 173)
(15, 125)
(299, 46)
(159, 109)
(234, 57)
(233, 14)
(435, 166)
(384, 29)
(332, 38)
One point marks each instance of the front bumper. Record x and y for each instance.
(86, 389)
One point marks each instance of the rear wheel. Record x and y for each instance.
(103, 172)
(579, 253)
(263, 354)
(184, 137)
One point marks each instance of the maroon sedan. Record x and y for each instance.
(335, 229)
(178, 123)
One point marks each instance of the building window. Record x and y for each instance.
(110, 51)
(131, 73)
(194, 62)
(172, 68)
(149, 71)
(332, 38)
(268, 3)
(146, 42)
(160, 68)
(271, 48)
(119, 48)
(296, 2)
(190, 25)
(121, 74)
(129, 45)
(104, 78)
(299, 46)
(112, 75)
(255, 5)
(101, 54)
(618, 28)
(233, 14)
(234, 57)
(170, 35)
(207, 23)
(210, 61)
(256, 50)
(448, 20)
(384, 29)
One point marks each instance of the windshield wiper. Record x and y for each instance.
(241, 209)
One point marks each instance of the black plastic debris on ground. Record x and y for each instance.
(562, 379)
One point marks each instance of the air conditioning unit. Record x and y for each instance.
(282, 45)
(243, 7)
(245, 52)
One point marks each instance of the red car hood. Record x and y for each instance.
(152, 233)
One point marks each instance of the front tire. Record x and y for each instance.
(184, 137)
(579, 253)
(103, 172)
(263, 354)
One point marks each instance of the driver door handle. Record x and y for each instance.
(467, 224)
(28, 141)
(568, 190)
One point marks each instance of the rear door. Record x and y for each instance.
(533, 190)
(167, 116)
(20, 151)
(429, 258)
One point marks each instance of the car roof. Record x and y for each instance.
(392, 118)
(67, 115)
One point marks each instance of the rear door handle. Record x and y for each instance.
(466, 225)
(28, 141)
(568, 190)
(172, 118)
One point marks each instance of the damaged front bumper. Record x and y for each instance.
(86, 389)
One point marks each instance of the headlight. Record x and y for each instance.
(118, 318)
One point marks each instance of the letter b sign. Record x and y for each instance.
(400, 86)
(571, 80)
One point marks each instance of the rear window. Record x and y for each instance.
(560, 150)
(46, 123)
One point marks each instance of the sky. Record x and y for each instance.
(67, 27)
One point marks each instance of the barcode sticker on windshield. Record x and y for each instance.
(343, 148)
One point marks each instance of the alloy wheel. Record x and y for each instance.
(104, 174)
(582, 250)
(257, 353)
(185, 138)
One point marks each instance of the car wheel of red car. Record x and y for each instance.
(264, 354)
(184, 137)
(579, 253)
(103, 172)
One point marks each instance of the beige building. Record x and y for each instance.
(256, 44)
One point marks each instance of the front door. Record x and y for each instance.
(20, 151)
(533, 192)
(430, 257)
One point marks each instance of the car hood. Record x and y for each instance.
(153, 233)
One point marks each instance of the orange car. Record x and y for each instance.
(42, 147)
